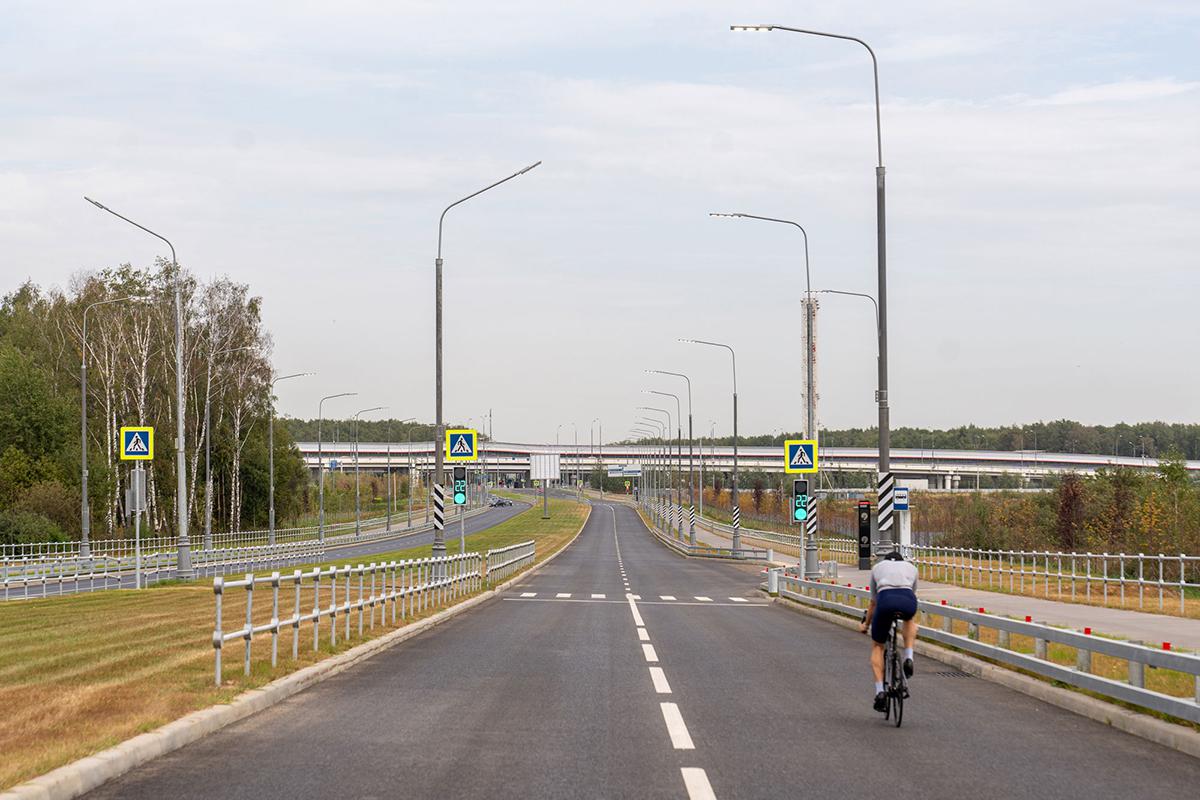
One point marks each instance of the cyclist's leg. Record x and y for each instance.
(877, 661)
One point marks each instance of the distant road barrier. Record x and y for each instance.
(1124, 657)
(27, 576)
(401, 588)
(665, 523)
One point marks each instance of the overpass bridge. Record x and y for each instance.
(917, 468)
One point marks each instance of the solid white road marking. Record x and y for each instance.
(636, 596)
(666, 596)
(696, 781)
(648, 652)
(680, 738)
(739, 599)
(562, 595)
(637, 615)
(528, 594)
(660, 680)
(597, 597)
(642, 635)
(704, 599)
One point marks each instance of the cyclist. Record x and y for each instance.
(893, 592)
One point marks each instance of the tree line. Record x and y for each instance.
(130, 350)
(1151, 439)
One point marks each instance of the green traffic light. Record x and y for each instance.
(801, 514)
(459, 498)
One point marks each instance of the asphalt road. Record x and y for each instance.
(567, 687)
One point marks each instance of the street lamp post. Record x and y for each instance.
(691, 458)
(886, 481)
(737, 510)
(271, 453)
(810, 382)
(85, 516)
(439, 518)
(390, 500)
(357, 493)
(208, 482)
(600, 456)
(660, 430)
(671, 483)
(184, 567)
(321, 463)
(679, 460)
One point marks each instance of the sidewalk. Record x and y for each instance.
(1151, 629)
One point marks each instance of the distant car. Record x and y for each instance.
(500, 501)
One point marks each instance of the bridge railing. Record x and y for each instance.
(1115, 669)
(357, 594)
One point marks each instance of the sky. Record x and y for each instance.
(1042, 163)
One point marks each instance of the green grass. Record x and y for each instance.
(81, 673)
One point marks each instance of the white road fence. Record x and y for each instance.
(1156, 678)
(391, 591)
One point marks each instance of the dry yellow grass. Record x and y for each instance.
(81, 673)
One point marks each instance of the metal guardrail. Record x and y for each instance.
(403, 588)
(667, 514)
(851, 601)
(1099, 576)
(506, 561)
(41, 576)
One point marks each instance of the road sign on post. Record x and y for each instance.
(137, 443)
(799, 501)
(462, 444)
(460, 486)
(800, 455)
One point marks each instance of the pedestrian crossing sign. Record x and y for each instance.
(137, 443)
(800, 455)
(462, 445)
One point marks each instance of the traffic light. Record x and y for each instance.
(799, 500)
(460, 486)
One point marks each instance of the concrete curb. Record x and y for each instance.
(1143, 726)
(78, 777)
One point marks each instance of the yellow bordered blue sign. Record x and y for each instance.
(800, 455)
(137, 443)
(462, 444)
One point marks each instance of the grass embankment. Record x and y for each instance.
(82, 673)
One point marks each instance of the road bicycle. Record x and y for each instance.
(895, 685)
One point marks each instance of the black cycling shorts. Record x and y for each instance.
(888, 604)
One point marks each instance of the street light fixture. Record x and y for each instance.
(321, 462)
(271, 453)
(600, 458)
(678, 456)
(810, 404)
(691, 456)
(439, 520)
(737, 509)
(886, 482)
(357, 493)
(85, 516)
(667, 438)
(184, 568)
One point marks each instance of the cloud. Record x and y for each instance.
(1127, 91)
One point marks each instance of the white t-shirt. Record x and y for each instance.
(888, 574)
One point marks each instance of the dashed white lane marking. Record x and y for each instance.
(598, 596)
(680, 738)
(739, 599)
(696, 781)
(660, 680)
(563, 595)
(666, 597)
(704, 599)
(636, 596)
(648, 652)
(528, 594)
(642, 635)
(637, 615)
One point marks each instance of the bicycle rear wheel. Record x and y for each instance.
(897, 693)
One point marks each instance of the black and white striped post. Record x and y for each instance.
(439, 507)
(887, 498)
(810, 540)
